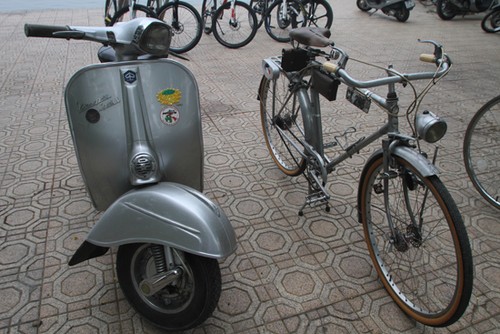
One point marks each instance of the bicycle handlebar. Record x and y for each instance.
(397, 77)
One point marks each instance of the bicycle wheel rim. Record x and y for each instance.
(481, 151)
(186, 30)
(320, 14)
(282, 125)
(279, 22)
(234, 31)
(427, 271)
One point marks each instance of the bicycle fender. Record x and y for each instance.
(421, 164)
(168, 214)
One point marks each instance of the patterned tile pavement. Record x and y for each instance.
(290, 274)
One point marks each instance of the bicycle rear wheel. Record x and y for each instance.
(186, 25)
(208, 9)
(319, 14)
(282, 124)
(481, 151)
(258, 7)
(282, 17)
(425, 262)
(140, 11)
(234, 29)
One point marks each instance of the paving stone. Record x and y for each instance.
(290, 274)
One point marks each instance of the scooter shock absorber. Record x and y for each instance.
(159, 257)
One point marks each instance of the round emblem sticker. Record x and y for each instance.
(169, 116)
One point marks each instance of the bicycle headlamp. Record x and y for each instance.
(155, 38)
(430, 127)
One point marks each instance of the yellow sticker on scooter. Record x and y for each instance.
(169, 96)
(169, 116)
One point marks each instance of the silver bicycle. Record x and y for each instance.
(414, 232)
(482, 150)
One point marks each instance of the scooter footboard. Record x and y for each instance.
(168, 214)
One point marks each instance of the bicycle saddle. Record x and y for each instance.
(312, 36)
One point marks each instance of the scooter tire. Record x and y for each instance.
(181, 305)
(445, 10)
(362, 5)
(402, 14)
(491, 22)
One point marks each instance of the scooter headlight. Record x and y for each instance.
(155, 38)
(430, 127)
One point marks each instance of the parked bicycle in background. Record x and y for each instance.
(184, 19)
(414, 232)
(481, 151)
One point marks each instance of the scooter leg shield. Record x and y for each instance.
(168, 214)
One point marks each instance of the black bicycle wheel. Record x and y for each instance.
(482, 151)
(110, 8)
(319, 13)
(234, 29)
(259, 8)
(186, 25)
(140, 11)
(491, 22)
(282, 124)
(425, 260)
(208, 9)
(282, 17)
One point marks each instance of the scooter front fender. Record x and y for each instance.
(168, 214)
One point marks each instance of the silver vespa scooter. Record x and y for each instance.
(400, 9)
(136, 129)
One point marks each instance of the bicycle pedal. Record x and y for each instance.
(314, 200)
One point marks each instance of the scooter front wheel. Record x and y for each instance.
(189, 298)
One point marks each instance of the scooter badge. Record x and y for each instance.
(169, 116)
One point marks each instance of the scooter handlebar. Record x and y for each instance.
(40, 30)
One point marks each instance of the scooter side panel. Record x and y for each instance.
(168, 214)
(165, 99)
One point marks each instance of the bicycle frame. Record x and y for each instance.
(313, 149)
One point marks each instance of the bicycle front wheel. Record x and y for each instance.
(234, 28)
(481, 151)
(282, 17)
(186, 25)
(139, 11)
(425, 260)
(282, 124)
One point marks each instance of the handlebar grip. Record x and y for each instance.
(428, 58)
(40, 30)
(330, 67)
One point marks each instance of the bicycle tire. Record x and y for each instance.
(109, 11)
(491, 22)
(258, 8)
(280, 114)
(319, 14)
(278, 26)
(208, 9)
(234, 34)
(427, 269)
(186, 33)
(143, 10)
(481, 151)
